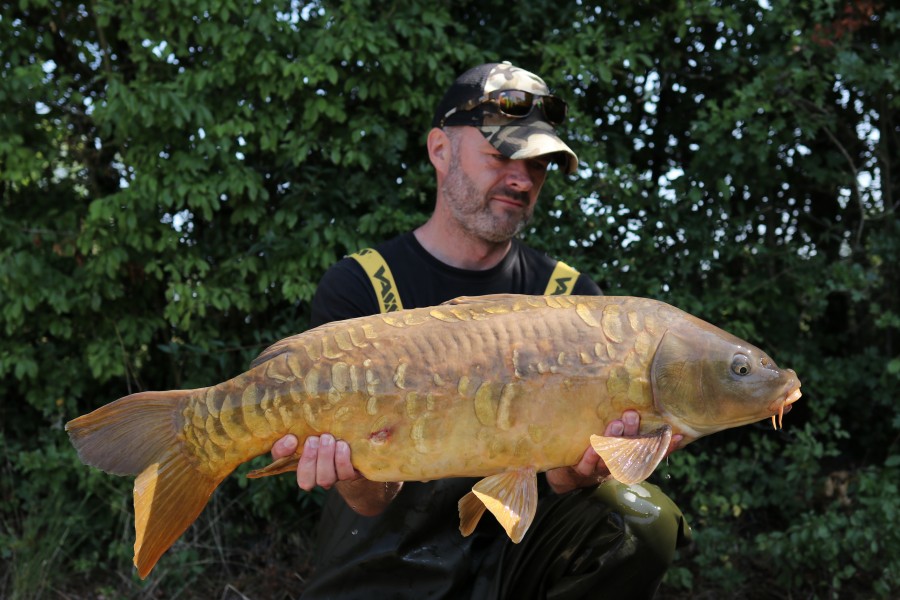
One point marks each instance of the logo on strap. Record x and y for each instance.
(562, 280)
(388, 297)
(382, 280)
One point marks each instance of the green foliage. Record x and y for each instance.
(176, 176)
(847, 548)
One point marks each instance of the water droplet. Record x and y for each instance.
(354, 532)
(668, 476)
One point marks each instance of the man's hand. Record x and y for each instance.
(591, 470)
(326, 462)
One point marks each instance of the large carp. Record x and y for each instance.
(499, 387)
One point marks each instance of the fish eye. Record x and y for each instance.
(740, 365)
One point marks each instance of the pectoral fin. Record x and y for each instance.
(633, 459)
(511, 497)
(277, 467)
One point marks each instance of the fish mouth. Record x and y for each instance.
(784, 405)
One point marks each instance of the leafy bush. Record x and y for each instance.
(175, 180)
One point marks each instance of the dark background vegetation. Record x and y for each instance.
(176, 176)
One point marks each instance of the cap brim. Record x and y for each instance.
(529, 138)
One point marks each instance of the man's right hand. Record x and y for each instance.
(326, 462)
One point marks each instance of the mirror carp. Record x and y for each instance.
(500, 387)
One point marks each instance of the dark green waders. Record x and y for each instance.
(615, 541)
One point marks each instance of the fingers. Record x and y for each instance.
(306, 467)
(324, 462)
(614, 429)
(632, 422)
(629, 425)
(326, 474)
(285, 446)
(345, 470)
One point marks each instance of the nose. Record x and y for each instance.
(518, 175)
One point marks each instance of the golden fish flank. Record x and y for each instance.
(500, 387)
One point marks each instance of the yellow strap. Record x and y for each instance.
(380, 275)
(562, 280)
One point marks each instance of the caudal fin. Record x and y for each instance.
(138, 435)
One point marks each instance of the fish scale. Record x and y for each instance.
(499, 387)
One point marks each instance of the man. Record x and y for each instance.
(492, 141)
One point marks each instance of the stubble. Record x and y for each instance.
(472, 209)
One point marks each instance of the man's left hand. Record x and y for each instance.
(591, 470)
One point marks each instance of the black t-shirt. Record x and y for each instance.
(422, 280)
(414, 549)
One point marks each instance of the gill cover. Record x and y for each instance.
(676, 376)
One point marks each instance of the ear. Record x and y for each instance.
(439, 149)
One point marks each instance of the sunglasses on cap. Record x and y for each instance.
(516, 104)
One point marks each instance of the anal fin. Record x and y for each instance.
(511, 497)
(287, 464)
(633, 459)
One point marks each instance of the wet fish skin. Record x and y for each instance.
(501, 387)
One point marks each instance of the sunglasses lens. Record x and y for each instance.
(515, 103)
(554, 109)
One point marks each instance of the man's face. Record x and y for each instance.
(489, 195)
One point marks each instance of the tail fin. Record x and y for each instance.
(138, 435)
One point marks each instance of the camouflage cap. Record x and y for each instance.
(514, 138)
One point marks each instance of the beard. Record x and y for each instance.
(472, 210)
